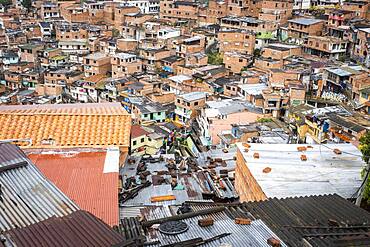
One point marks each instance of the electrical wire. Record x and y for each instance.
(357, 155)
(367, 173)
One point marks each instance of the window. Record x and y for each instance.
(134, 143)
(196, 103)
(187, 103)
(142, 140)
(240, 60)
(178, 101)
(145, 115)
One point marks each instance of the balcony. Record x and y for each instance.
(181, 112)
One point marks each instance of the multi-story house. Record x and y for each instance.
(237, 41)
(187, 106)
(324, 46)
(339, 17)
(361, 45)
(344, 79)
(301, 6)
(145, 6)
(148, 112)
(49, 10)
(279, 11)
(179, 10)
(237, 62)
(152, 58)
(264, 30)
(190, 45)
(358, 7)
(97, 64)
(29, 52)
(299, 29)
(124, 64)
(210, 14)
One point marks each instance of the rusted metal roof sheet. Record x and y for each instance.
(327, 220)
(89, 178)
(255, 234)
(318, 221)
(27, 196)
(77, 229)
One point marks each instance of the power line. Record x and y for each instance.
(357, 155)
(367, 172)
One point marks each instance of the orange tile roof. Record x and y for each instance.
(67, 125)
(80, 176)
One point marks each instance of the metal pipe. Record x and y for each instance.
(149, 223)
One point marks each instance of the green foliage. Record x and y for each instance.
(365, 146)
(257, 52)
(365, 150)
(5, 2)
(27, 4)
(115, 33)
(244, 69)
(342, 58)
(215, 58)
(264, 120)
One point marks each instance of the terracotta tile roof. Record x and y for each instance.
(66, 125)
(84, 178)
(137, 131)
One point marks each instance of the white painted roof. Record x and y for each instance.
(180, 78)
(324, 172)
(253, 89)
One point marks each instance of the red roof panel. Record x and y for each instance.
(137, 131)
(80, 176)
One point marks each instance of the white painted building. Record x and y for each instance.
(145, 6)
(301, 5)
(167, 33)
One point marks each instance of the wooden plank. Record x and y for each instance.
(162, 198)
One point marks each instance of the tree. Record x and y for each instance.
(215, 58)
(365, 150)
(27, 4)
(257, 52)
(115, 33)
(5, 2)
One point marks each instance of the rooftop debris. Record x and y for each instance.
(273, 242)
(183, 216)
(205, 222)
(303, 157)
(174, 179)
(162, 198)
(243, 221)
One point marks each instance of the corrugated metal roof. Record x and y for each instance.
(27, 197)
(255, 234)
(85, 178)
(305, 21)
(290, 220)
(77, 229)
(324, 172)
(288, 217)
(192, 185)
